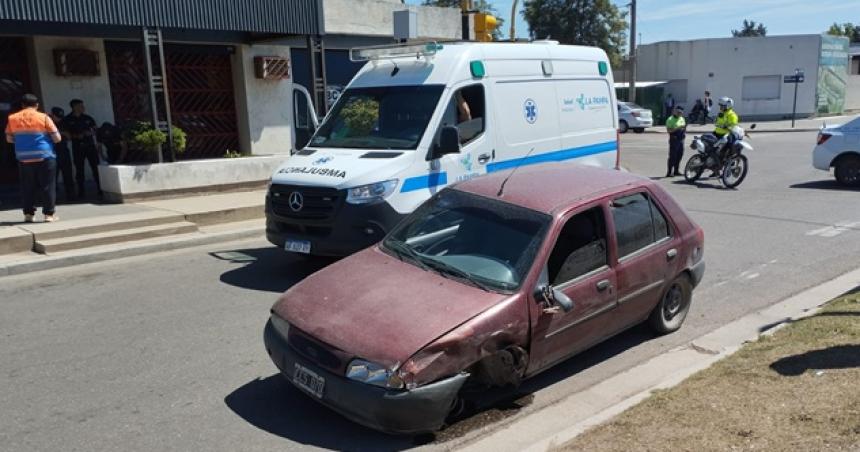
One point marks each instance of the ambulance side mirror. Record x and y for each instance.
(449, 143)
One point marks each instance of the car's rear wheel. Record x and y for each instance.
(847, 170)
(623, 126)
(669, 314)
(639, 130)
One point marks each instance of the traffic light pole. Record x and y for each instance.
(631, 90)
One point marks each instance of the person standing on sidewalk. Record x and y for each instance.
(64, 155)
(82, 130)
(709, 104)
(677, 128)
(34, 134)
(668, 106)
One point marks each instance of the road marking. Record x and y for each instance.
(835, 230)
(753, 276)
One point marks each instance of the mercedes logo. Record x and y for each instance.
(297, 201)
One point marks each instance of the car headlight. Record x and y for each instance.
(369, 193)
(281, 326)
(373, 374)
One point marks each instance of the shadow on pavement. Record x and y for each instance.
(836, 357)
(267, 269)
(715, 184)
(830, 184)
(274, 405)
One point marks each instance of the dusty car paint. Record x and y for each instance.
(429, 328)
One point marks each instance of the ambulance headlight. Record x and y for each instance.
(371, 193)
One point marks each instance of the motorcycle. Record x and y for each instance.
(724, 156)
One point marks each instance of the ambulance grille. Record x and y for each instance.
(317, 203)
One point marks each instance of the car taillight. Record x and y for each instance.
(617, 149)
(823, 137)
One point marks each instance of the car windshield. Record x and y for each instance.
(480, 241)
(388, 117)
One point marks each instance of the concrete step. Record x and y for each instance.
(215, 209)
(14, 240)
(53, 245)
(94, 225)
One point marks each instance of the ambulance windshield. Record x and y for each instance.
(387, 117)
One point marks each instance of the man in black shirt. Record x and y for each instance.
(82, 130)
(64, 155)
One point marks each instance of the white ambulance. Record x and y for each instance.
(417, 118)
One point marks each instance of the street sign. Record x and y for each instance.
(796, 78)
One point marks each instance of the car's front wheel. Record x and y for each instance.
(847, 170)
(639, 130)
(670, 312)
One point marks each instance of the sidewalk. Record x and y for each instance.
(89, 232)
(800, 125)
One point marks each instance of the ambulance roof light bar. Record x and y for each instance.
(418, 50)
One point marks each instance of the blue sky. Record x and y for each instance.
(661, 20)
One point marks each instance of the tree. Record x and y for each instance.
(849, 30)
(483, 6)
(750, 30)
(596, 23)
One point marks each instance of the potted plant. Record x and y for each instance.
(143, 136)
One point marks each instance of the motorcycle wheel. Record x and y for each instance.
(694, 168)
(735, 171)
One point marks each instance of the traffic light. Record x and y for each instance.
(484, 26)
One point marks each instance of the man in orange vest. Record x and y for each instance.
(34, 134)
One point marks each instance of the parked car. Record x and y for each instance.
(487, 283)
(839, 148)
(632, 116)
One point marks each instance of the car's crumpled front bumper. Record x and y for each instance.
(419, 410)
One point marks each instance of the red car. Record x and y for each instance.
(489, 282)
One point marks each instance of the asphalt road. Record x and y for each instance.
(164, 352)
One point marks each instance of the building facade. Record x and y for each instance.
(212, 54)
(752, 71)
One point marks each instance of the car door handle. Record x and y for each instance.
(671, 254)
(484, 158)
(603, 285)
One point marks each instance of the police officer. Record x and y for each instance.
(64, 155)
(727, 119)
(82, 131)
(677, 128)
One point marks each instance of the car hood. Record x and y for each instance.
(376, 307)
(341, 168)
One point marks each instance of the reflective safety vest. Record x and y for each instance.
(725, 121)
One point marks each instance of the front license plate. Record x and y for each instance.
(306, 379)
(298, 246)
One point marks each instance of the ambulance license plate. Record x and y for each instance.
(298, 246)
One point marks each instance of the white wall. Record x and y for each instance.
(58, 91)
(375, 18)
(852, 93)
(720, 65)
(263, 107)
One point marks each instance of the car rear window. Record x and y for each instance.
(638, 223)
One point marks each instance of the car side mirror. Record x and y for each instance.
(554, 297)
(449, 143)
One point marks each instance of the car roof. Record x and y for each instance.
(552, 187)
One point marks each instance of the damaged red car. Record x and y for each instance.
(489, 282)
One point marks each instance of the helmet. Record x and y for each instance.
(726, 102)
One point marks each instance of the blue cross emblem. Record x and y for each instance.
(530, 111)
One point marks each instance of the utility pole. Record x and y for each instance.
(513, 35)
(631, 95)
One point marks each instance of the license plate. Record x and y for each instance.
(306, 379)
(298, 246)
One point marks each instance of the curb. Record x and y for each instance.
(109, 252)
(558, 423)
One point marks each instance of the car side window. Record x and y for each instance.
(467, 111)
(580, 247)
(638, 223)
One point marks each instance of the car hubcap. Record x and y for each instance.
(672, 302)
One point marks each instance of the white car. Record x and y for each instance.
(632, 116)
(839, 148)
